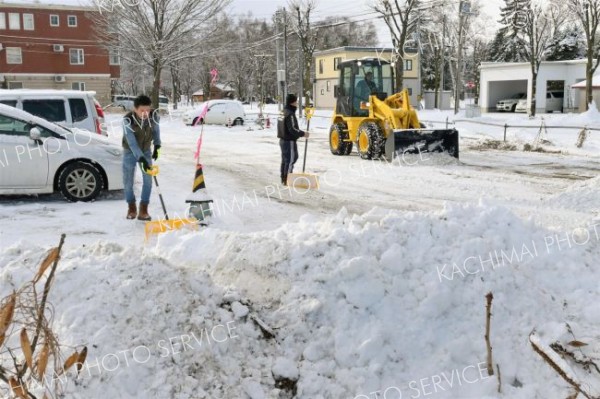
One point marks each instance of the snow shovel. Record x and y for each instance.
(162, 226)
(304, 180)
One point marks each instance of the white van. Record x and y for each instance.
(123, 101)
(219, 112)
(555, 100)
(126, 102)
(69, 108)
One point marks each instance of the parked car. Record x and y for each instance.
(521, 106)
(69, 108)
(123, 101)
(219, 112)
(510, 104)
(555, 100)
(42, 157)
(163, 103)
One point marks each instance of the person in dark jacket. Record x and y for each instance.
(288, 134)
(140, 131)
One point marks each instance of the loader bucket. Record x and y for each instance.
(416, 141)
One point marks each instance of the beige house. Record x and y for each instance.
(326, 73)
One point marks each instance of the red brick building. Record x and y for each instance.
(47, 46)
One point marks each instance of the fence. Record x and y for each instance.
(506, 126)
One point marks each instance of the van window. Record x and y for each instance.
(10, 103)
(78, 109)
(558, 94)
(51, 110)
(163, 100)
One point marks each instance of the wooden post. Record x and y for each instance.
(488, 316)
(505, 127)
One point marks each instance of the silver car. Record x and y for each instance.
(37, 157)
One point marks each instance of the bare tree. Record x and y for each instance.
(156, 32)
(587, 13)
(539, 29)
(399, 16)
(307, 37)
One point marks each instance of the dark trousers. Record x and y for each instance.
(289, 156)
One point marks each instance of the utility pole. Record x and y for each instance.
(285, 54)
(277, 48)
(419, 52)
(300, 81)
(443, 48)
(464, 10)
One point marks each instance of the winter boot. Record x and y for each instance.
(132, 211)
(143, 215)
(284, 180)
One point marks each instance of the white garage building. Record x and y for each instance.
(502, 80)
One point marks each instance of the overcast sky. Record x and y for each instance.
(357, 9)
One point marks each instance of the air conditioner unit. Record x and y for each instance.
(58, 48)
(60, 79)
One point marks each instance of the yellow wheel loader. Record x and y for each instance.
(378, 121)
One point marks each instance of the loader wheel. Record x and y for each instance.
(370, 141)
(337, 145)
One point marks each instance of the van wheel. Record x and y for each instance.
(238, 122)
(80, 181)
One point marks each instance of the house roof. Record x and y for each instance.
(220, 86)
(50, 5)
(582, 84)
(492, 65)
(349, 49)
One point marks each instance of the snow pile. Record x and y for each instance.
(583, 195)
(365, 303)
(387, 301)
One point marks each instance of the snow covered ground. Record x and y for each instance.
(372, 287)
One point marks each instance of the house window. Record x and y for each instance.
(408, 65)
(13, 55)
(14, 21)
(76, 56)
(410, 91)
(336, 63)
(28, 22)
(78, 86)
(114, 57)
(328, 86)
(2, 20)
(15, 85)
(320, 67)
(54, 20)
(72, 21)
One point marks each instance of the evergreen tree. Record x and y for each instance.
(509, 42)
(569, 44)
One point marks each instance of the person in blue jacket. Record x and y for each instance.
(141, 144)
(288, 132)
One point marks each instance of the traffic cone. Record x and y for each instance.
(199, 200)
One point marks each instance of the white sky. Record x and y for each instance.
(357, 9)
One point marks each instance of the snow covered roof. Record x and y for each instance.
(220, 86)
(354, 49)
(582, 84)
(491, 65)
(198, 93)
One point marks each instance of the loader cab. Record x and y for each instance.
(358, 80)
